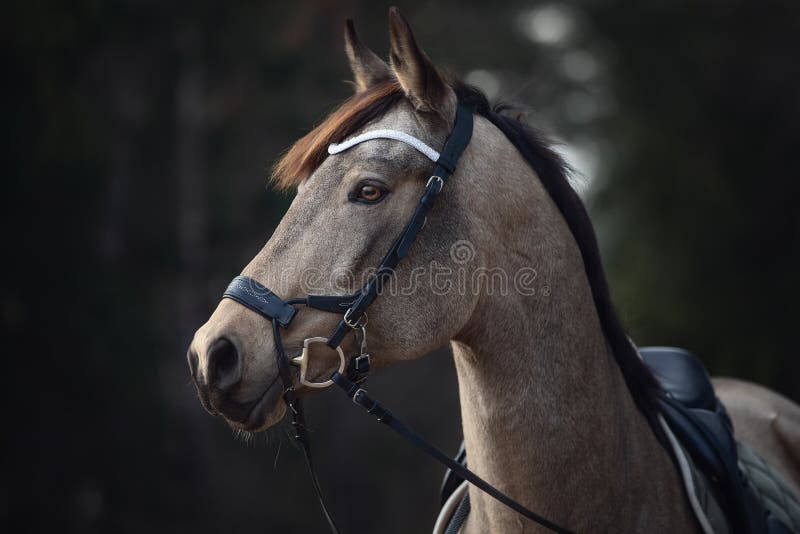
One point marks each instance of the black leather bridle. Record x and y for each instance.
(258, 298)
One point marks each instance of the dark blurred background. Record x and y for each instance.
(137, 137)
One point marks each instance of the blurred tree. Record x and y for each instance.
(700, 204)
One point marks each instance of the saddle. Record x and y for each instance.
(699, 422)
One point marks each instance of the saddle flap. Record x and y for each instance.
(706, 441)
(701, 424)
(682, 375)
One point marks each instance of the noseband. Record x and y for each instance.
(352, 373)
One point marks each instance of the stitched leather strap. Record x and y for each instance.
(258, 298)
(330, 303)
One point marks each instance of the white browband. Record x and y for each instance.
(433, 155)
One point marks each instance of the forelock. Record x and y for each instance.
(356, 112)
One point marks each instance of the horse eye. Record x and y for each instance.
(370, 193)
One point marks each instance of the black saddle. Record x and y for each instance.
(692, 410)
(700, 423)
(683, 376)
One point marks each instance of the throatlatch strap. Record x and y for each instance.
(383, 415)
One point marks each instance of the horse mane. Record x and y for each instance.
(552, 172)
(369, 105)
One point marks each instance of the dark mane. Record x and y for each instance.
(552, 172)
(366, 106)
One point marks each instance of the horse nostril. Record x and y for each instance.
(224, 365)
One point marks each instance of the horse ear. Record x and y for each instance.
(420, 80)
(368, 69)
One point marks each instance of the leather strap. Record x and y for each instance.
(295, 406)
(258, 298)
(383, 415)
(330, 303)
(456, 143)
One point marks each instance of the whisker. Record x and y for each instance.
(277, 455)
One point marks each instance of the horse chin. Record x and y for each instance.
(267, 412)
(270, 417)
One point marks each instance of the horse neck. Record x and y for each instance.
(546, 414)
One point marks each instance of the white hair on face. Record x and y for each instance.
(433, 155)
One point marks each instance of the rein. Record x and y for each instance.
(352, 373)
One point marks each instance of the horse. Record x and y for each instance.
(554, 396)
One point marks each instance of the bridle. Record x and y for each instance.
(352, 373)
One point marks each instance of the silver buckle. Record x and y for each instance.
(355, 324)
(359, 361)
(439, 180)
(359, 390)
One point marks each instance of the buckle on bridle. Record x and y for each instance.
(358, 369)
(357, 395)
(355, 324)
(361, 363)
(439, 181)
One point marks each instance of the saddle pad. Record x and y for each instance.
(770, 488)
